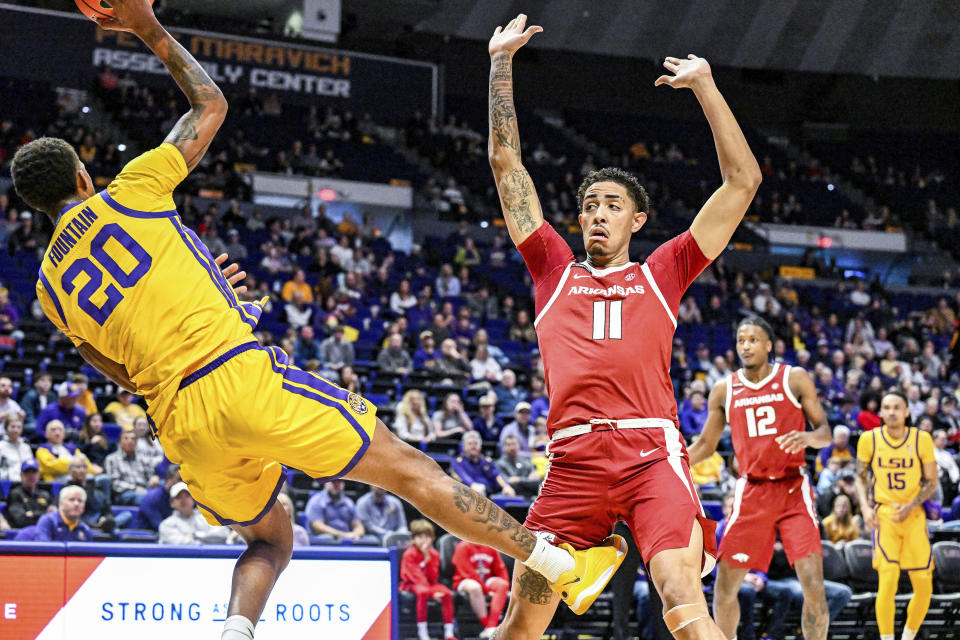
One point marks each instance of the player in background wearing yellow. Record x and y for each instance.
(144, 302)
(904, 470)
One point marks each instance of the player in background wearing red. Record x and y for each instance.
(767, 406)
(479, 571)
(420, 574)
(605, 329)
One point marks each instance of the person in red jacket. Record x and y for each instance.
(420, 574)
(478, 571)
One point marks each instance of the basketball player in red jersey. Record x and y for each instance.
(605, 329)
(767, 406)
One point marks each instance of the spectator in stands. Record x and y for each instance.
(381, 513)
(148, 447)
(688, 312)
(447, 285)
(839, 448)
(949, 471)
(451, 419)
(467, 255)
(186, 525)
(488, 424)
(236, 249)
(693, 414)
(335, 351)
(869, 417)
(860, 297)
(845, 485)
(420, 575)
(65, 410)
(484, 366)
(8, 406)
(477, 471)
(333, 516)
(297, 283)
(155, 505)
(300, 536)
(942, 318)
(538, 398)
(25, 237)
(306, 346)
(97, 512)
(131, 477)
(14, 450)
(427, 355)
(412, 422)
(54, 456)
(394, 359)
(479, 571)
(710, 471)
(765, 303)
(93, 442)
(522, 428)
(841, 525)
(829, 475)
(124, 410)
(508, 393)
(516, 469)
(26, 502)
(440, 327)
(86, 399)
(64, 524)
(402, 299)
(522, 330)
(718, 370)
(298, 313)
(452, 365)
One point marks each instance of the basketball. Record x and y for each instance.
(94, 9)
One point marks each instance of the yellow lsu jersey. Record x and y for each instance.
(897, 466)
(123, 274)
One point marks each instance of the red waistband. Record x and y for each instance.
(789, 474)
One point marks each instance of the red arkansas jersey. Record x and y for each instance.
(757, 414)
(477, 562)
(606, 335)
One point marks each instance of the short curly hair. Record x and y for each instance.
(611, 174)
(45, 173)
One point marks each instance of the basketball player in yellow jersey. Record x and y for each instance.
(904, 477)
(144, 302)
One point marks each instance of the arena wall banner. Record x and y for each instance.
(68, 50)
(151, 592)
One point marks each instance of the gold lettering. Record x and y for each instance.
(254, 53)
(233, 50)
(201, 45)
(294, 58)
(340, 64)
(273, 55)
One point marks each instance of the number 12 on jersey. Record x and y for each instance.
(759, 420)
(601, 329)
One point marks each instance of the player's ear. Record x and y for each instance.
(639, 219)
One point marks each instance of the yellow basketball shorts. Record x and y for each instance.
(237, 421)
(905, 544)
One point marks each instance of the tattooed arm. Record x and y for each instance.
(518, 198)
(195, 130)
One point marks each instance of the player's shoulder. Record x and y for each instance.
(923, 438)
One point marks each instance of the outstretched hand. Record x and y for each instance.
(686, 73)
(232, 273)
(510, 38)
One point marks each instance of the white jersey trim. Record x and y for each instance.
(762, 383)
(556, 293)
(653, 285)
(786, 387)
(737, 500)
(607, 271)
(729, 397)
(808, 500)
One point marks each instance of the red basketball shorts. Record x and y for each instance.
(640, 476)
(760, 510)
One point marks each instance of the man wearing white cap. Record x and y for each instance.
(186, 525)
(66, 410)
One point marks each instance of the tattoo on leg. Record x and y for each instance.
(534, 587)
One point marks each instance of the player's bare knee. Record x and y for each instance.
(676, 590)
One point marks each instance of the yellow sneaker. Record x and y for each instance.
(592, 570)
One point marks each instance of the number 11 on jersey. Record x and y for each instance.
(601, 330)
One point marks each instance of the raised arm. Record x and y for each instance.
(802, 387)
(194, 131)
(518, 198)
(706, 444)
(718, 219)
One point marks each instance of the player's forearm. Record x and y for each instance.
(186, 71)
(821, 437)
(926, 492)
(503, 145)
(862, 494)
(738, 166)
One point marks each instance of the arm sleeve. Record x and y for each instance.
(546, 255)
(148, 181)
(675, 265)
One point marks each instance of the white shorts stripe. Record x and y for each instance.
(671, 437)
(808, 500)
(737, 500)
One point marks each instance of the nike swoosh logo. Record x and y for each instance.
(644, 454)
(736, 391)
(577, 276)
(574, 581)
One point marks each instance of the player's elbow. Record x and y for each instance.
(501, 162)
(746, 178)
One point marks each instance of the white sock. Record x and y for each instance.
(909, 634)
(422, 631)
(237, 628)
(549, 561)
(448, 629)
(887, 637)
